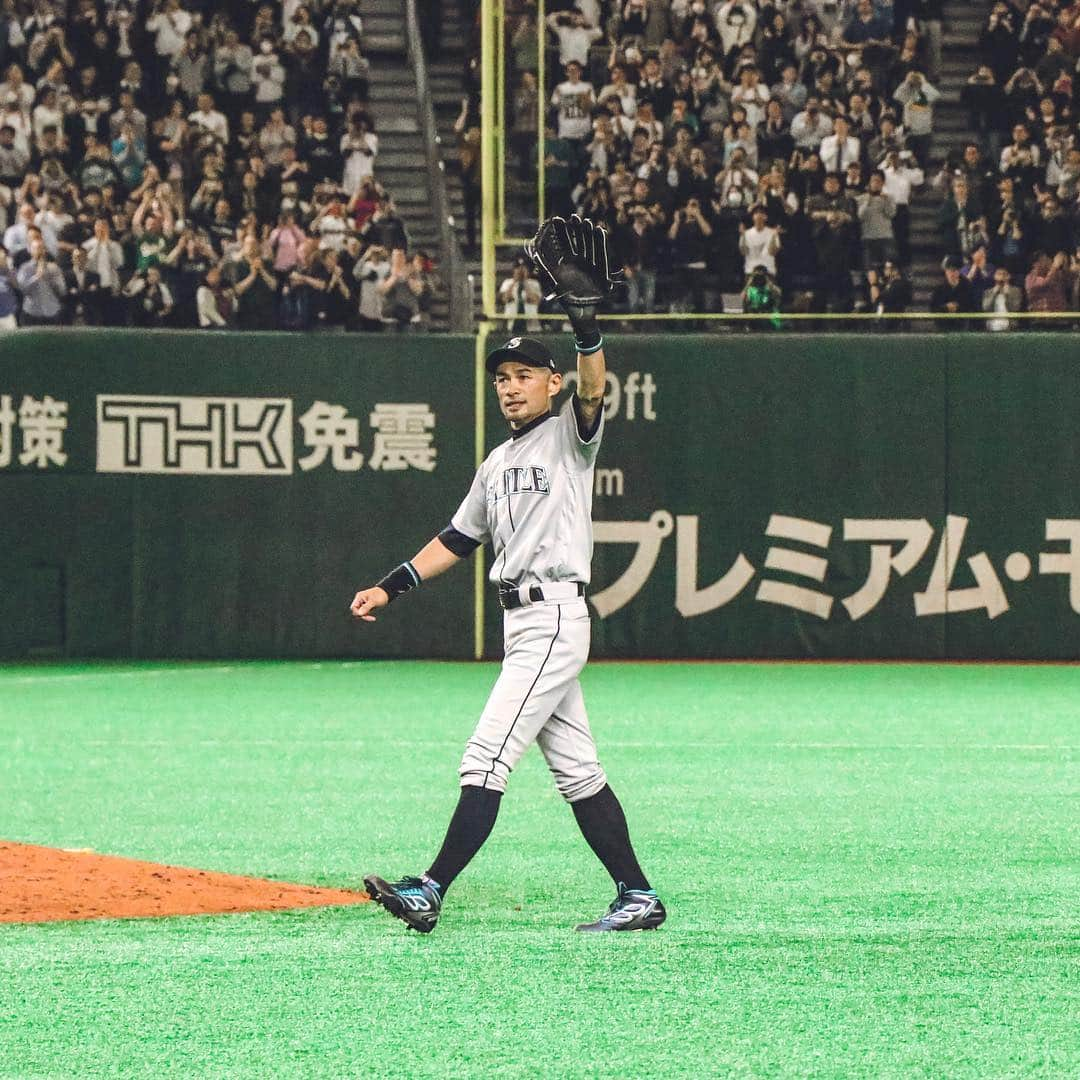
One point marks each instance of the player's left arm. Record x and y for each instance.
(592, 380)
(571, 260)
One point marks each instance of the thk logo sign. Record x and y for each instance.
(194, 436)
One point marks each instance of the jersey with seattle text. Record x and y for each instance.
(532, 499)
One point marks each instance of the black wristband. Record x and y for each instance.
(587, 338)
(583, 322)
(400, 580)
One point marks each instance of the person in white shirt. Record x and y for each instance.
(575, 35)
(810, 127)
(301, 21)
(12, 116)
(591, 9)
(206, 302)
(267, 74)
(520, 296)
(47, 114)
(619, 87)
(170, 23)
(735, 21)
(574, 100)
(208, 118)
(759, 244)
(16, 87)
(646, 119)
(902, 174)
(105, 257)
(752, 95)
(359, 148)
(17, 237)
(841, 148)
(331, 226)
(54, 217)
(1021, 152)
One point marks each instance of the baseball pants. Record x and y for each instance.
(537, 698)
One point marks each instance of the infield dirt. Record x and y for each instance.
(44, 884)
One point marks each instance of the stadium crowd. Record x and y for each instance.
(771, 150)
(181, 163)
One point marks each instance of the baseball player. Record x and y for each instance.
(531, 500)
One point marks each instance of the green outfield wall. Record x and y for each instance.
(203, 495)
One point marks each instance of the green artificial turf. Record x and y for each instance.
(870, 870)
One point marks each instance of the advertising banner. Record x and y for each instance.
(224, 495)
(836, 496)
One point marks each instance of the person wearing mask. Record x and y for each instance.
(267, 77)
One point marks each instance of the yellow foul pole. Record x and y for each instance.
(541, 104)
(487, 155)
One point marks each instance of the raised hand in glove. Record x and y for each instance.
(571, 261)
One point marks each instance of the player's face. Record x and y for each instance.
(525, 392)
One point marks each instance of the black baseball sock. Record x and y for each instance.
(603, 824)
(470, 826)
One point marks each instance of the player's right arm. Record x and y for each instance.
(432, 559)
(468, 529)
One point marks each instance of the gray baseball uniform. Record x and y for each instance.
(532, 499)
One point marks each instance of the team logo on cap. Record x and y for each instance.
(513, 343)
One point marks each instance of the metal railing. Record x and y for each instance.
(892, 322)
(450, 253)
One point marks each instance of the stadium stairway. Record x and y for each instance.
(960, 50)
(400, 165)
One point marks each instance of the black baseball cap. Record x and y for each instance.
(525, 350)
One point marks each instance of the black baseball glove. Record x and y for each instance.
(571, 261)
